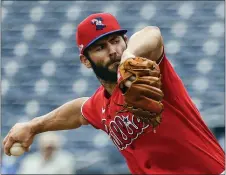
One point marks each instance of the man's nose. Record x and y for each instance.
(112, 51)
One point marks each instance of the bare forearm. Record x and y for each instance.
(146, 43)
(67, 116)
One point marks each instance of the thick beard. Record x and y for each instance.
(103, 73)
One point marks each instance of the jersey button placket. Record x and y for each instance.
(108, 111)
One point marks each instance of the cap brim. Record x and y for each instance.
(108, 33)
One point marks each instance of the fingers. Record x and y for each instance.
(149, 80)
(132, 78)
(26, 146)
(5, 139)
(128, 82)
(8, 145)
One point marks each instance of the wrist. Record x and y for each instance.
(35, 124)
(127, 54)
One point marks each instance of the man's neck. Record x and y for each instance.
(109, 87)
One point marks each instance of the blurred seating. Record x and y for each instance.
(36, 32)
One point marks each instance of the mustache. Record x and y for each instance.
(117, 59)
(103, 73)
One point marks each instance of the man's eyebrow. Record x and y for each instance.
(114, 37)
(96, 45)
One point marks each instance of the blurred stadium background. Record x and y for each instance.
(41, 68)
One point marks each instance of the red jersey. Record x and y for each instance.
(182, 144)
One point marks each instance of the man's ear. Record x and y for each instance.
(85, 61)
(126, 39)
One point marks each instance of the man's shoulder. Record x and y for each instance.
(95, 98)
(99, 91)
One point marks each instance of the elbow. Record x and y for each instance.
(149, 28)
(155, 36)
(153, 30)
(156, 42)
(156, 39)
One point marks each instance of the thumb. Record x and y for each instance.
(26, 146)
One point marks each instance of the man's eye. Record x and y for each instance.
(116, 41)
(99, 48)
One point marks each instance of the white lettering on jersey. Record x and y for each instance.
(123, 130)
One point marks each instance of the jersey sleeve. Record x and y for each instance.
(90, 112)
(172, 84)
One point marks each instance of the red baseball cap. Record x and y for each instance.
(95, 27)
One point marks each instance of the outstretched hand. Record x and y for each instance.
(20, 133)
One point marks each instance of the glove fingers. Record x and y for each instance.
(142, 63)
(151, 105)
(152, 92)
(146, 90)
(151, 81)
(143, 95)
(144, 72)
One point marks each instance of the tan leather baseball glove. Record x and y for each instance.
(144, 95)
